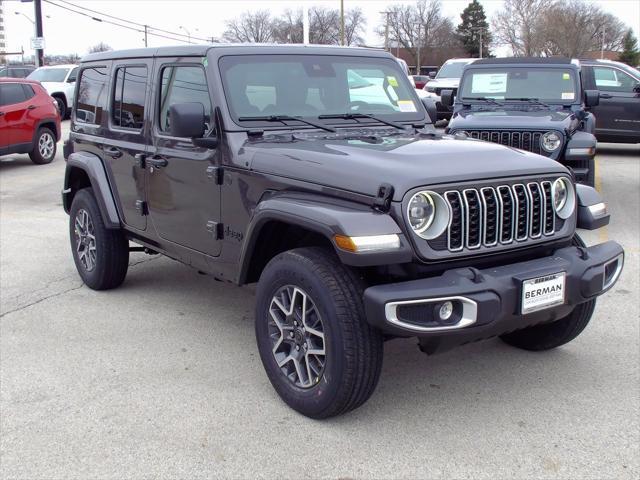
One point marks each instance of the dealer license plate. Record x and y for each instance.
(543, 292)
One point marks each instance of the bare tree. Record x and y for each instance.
(288, 28)
(354, 25)
(256, 27)
(518, 25)
(324, 26)
(100, 47)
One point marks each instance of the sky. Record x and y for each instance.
(67, 32)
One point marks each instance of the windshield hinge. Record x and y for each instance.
(382, 202)
(216, 174)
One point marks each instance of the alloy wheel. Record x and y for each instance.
(46, 145)
(85, 240)
(297, 336)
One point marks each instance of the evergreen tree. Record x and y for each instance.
(630, 53)
(474, 24)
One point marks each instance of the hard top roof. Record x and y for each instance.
(525, 61)
(242, 48)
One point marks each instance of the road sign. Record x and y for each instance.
(37, 43)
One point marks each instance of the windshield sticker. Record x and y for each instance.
(489, 83)
(566, 76)
(567, 95)
(406, 106)
(392, 81)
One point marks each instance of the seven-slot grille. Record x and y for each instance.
(499, 215)
(529, 141)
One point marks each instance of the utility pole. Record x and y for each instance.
(602, 49)
(418, 42)
(38, 20)
(480, 31)
(305, 23)
(342, 22)
(386, 30)
(145, 36)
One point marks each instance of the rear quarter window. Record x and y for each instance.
(93, 89)
(11, 93)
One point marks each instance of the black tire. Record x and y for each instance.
(62, 106)
(557, 333)
(353, 348)
(111, 246)
(44, 147)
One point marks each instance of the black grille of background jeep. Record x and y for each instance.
(529, 141)
(497, 215)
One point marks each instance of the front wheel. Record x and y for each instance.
(44, 149)
(319, 353)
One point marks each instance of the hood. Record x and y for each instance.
(444, 83)
(406, 161)
(534, 119)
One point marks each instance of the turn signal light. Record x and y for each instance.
(367, 243)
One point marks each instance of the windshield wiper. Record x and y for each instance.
(355, 116)
(483, 99)
(533, 101)
(283, 119)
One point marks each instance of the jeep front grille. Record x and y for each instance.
(499, 215)
(529, 141)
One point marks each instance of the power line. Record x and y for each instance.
(128, 27)
(131, 21)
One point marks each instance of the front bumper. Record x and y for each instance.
(490, 299)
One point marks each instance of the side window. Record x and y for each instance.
(182, 84)
(128, 97)
(11, 93)
(92, 93)
(613, 80)
(28, 91)
(73, 76)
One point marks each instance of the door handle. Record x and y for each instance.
(606, 95)
(112, 152)
(158, 161)
(31, 107)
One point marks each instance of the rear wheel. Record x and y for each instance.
(319, 353)
(62, 106)
(44, 149)
(101, 255)
(557, 333)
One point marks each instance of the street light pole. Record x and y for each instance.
(342, 22)
(145, 36)
(38, 14)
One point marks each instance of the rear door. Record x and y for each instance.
(184, 198)
(124, 147)
(618, 113)
(15, 109)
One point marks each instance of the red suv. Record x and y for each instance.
(29, 120)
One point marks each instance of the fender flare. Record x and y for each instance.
(92, 166)
(580, 140)
(592, 210)
(327, 217)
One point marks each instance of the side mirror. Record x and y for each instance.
(636, 88)
(187, 120)
(430, 106)
(432, 74)
(71, 80)
(592, 98)
(446, 98)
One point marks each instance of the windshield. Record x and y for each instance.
(514, 83)
(49, 74)
(317, 85)
(451, 70)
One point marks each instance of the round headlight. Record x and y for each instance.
(421, 211)
(563, 198)
(550, 141)
(428, 214)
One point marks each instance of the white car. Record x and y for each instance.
(60, 83)
(447, 78)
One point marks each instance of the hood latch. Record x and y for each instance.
(382, 202)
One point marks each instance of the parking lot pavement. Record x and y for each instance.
(161, 377)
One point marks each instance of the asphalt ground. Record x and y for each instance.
(161, 377)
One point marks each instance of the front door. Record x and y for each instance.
(617, 114)
(126, 143)
(184, 199)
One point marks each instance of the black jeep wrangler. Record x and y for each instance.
(535, 104)
(316, 172)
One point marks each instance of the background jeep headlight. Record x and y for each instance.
(550, 141)
(428, 214)
(564, 200)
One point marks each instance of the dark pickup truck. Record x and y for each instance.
(323, 180)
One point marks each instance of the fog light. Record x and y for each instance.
(445, 311)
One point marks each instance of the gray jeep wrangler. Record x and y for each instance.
(536, 104)
(316, 172)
